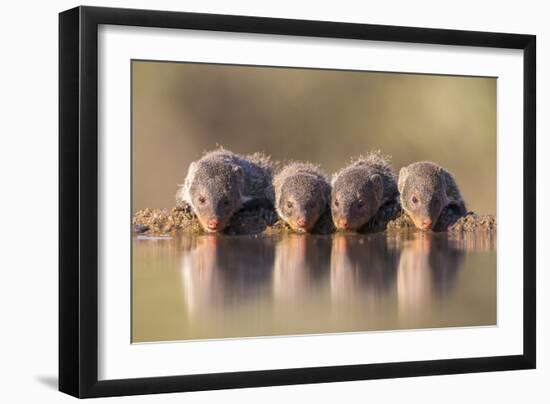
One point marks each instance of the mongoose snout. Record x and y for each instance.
(302, 193)
(213, 224)
(426, 224)
(427, 190)
(221, 182)
(360, 189)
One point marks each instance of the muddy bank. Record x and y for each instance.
(182, 219)
(471, 222)
(262, 220)
(247, 221)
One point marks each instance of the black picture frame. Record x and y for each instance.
(78, 201)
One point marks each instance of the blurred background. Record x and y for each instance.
(181, 110)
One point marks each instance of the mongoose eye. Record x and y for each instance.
(414, 199)
(336, 203)
(202, 199)
(225, 202)
(360, 204)
(289, 205)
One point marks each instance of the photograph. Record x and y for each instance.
(273, 201)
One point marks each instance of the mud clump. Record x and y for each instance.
(402, 221)
(181, 219)
(474, 222)
(470, 222)
(165, 221)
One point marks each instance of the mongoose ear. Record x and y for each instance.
(378, 184)
(403, 174)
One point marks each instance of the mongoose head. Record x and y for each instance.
(215, 193)
(423, 193)
(356, 197)
(302, 200)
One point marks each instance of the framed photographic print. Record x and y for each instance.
(251, 201)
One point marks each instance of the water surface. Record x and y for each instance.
(211, 286)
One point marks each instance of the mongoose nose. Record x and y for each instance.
(213, 224)
(343, 223)
(426, 224)
(302, 222)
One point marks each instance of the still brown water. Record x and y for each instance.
(195, 287)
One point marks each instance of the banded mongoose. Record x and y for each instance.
(430, 196)
(221, 182)
(302, 195)
(361, 189)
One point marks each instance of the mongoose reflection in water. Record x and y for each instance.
(221, 182)
(360, 190)
(302, 195)
(430, 196)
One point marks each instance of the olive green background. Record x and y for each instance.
(180, 110)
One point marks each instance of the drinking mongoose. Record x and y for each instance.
(302, 195)
(221, 182)
(430, 196)
(361, 189)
